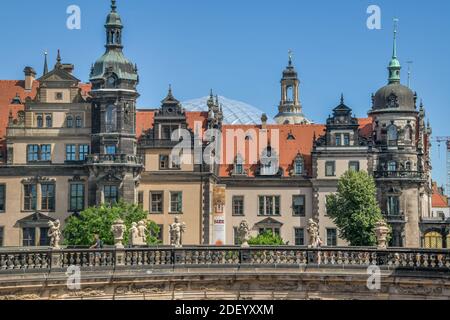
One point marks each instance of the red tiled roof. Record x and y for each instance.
(438, 200)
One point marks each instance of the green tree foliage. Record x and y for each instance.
(80, 231)
(267, 238)
(354, 208)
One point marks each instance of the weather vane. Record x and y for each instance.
(291, 54)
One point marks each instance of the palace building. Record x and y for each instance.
(66, 145)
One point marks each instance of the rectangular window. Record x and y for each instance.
(32, 152)
(393, 206)
(48, 197)
(111, 194)
(29, 197)
(83, 152)
(338, 140)
(156, 202)
(346, 140)
(71, 152)
(46, 152)
(111, 150)
(29, 237)
(76, 197)
(299, 236)
(141, 199)
(331, 237)
(353, 166)
(330, 169)
(2, 236)
(160, 234)
(269, 205)
(236, 239)
(163, 162)
(44, 240)
(298, 206)
(176, 202)
(2, 197)
(238, 206)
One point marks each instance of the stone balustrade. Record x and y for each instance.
(29, 261)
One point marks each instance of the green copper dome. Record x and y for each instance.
(113, 62)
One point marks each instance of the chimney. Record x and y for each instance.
(264, 121)
(68, 67)
(30, 76)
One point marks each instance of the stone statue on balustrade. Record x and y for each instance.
(54, 233)
(118, 229)
(313, 230)
(382, 232)
(176, 231)
(143, 231)
(244, 234)
(135, 239)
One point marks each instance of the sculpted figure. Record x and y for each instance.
(54, 233)
(176, 231)
(134, 235)
(313, 230)
(244, 234)
(143, 231)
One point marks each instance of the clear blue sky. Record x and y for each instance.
(239, 48)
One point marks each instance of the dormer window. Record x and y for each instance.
(338, 140)
(238, 165)
(69, 121)
(79, 122)
(269, 163)
(346, 139)
(48, 121)
(298, 165)
(40, 121)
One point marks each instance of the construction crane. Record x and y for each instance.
(445, 140)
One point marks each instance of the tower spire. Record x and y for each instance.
(45, 62)
(394, 66)
(58, 60)
(290, 53)
(113, 6)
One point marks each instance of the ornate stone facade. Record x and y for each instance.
(69, 145)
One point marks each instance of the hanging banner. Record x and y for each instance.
(218, 238)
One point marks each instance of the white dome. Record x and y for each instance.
(234, 112)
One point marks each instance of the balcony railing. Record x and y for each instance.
(399, 175)
(114, 159)
(29, 261)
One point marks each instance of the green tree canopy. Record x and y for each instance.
(80, 231)
(354, 208)
(267, 238)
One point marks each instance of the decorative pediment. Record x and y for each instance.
(269, 223)
(57, 75)
(35, 219)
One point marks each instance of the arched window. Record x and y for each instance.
(392, 166)
(79, 122)
(290, 93)
(433, 240)
(110, 118)
(392, 135)
(48, 121)
(40, 121)
(69, 121)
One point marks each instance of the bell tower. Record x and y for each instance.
(114, 165)
(290, 108)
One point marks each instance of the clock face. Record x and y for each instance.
(111, 81)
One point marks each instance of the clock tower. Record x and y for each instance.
(114, 165)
